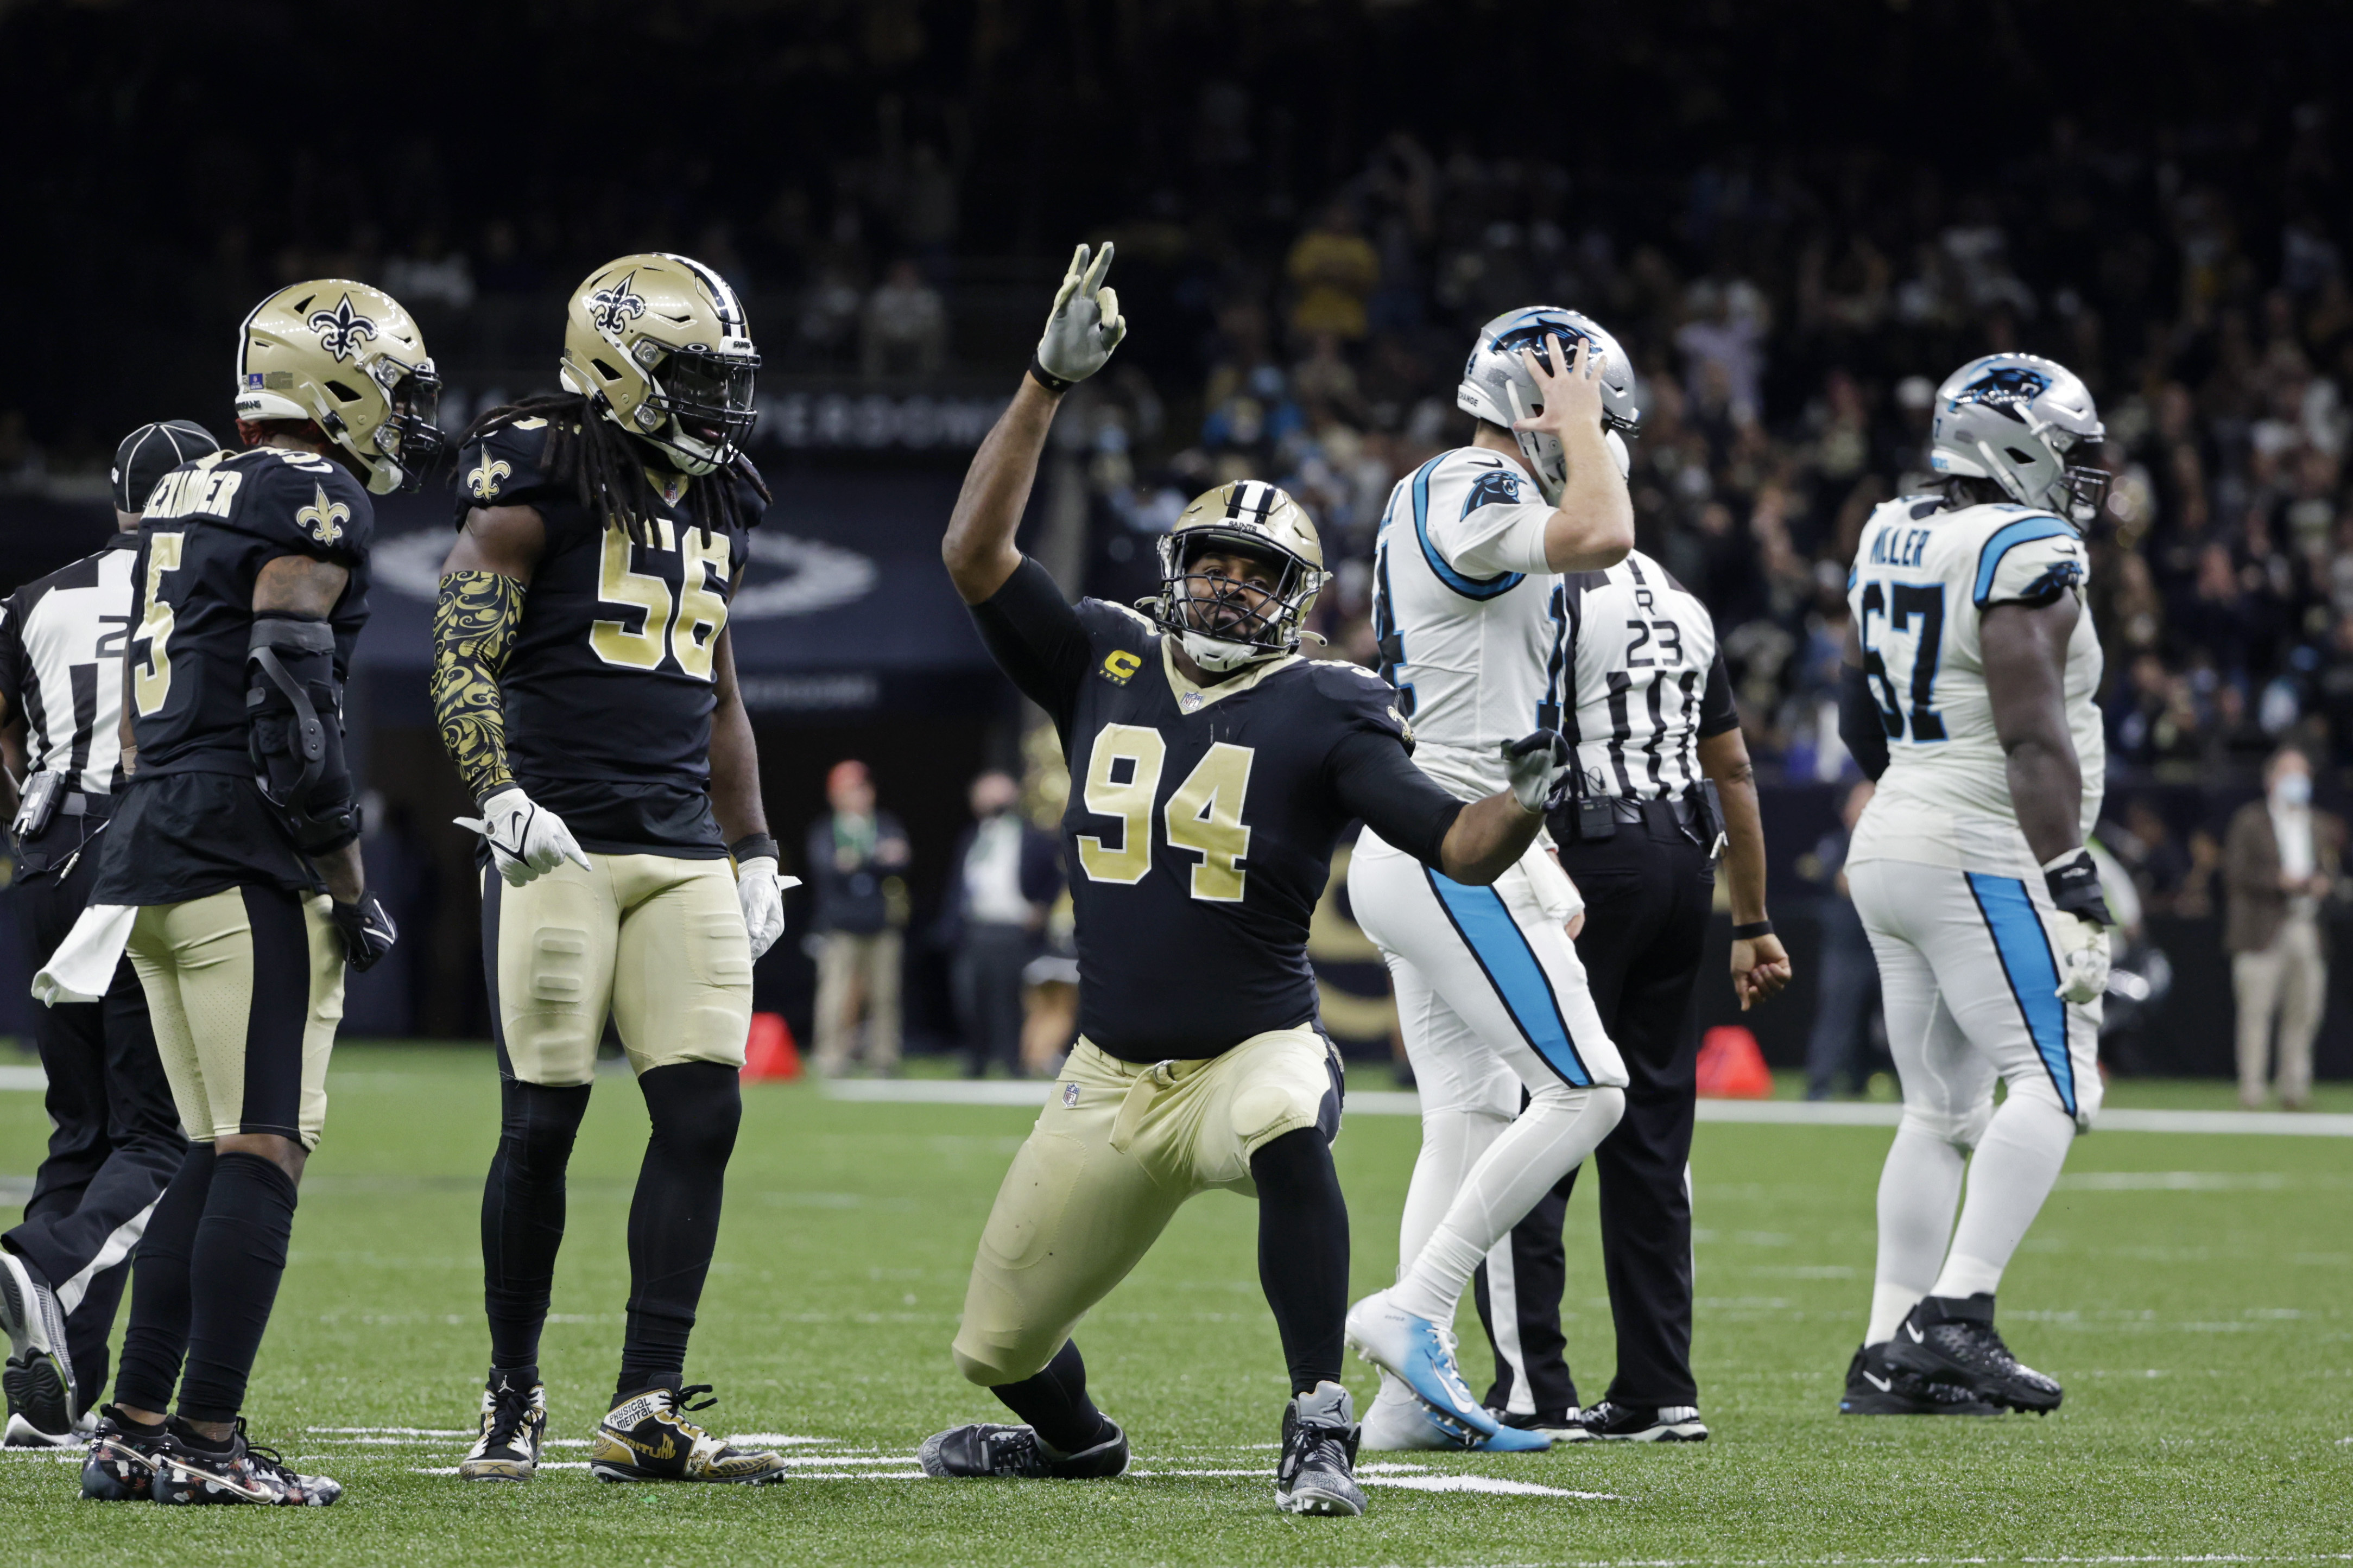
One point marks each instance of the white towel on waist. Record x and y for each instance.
(84, 964)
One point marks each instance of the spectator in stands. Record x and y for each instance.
(857, 862)
(1848, 995)
(1335, 270)
(905, 328)
(1007, 876)
(2279, 862)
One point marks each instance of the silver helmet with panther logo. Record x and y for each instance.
(1497, 386)
(2027, 423)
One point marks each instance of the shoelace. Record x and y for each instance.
(1013, 1453)
(1308, 1439)
(510, 1410)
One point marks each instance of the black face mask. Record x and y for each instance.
(710, 395)
(416, 400)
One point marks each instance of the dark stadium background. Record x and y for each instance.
(1786, 212)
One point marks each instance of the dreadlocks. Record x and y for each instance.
(608, 467)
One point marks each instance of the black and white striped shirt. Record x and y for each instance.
(61, 641)
(1649, 681)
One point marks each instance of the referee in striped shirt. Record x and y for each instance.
(117, 1140)
(1662, 787)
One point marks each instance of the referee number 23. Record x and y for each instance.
(1204, 815)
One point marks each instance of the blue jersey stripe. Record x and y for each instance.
(2032, 972)
(2025, 530)
(1502, 949)
(1469, 587)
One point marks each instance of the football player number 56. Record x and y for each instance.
(1204, 815)
(152, 682)
(686, 628)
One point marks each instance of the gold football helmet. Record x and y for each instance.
(1225, 622)
(660, 343)
(351, 358)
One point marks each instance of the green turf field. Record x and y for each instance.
(2194, 1293)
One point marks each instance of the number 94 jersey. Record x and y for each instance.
(1925, 574)
(608, 689)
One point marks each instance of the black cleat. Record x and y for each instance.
(1615, 1423)
(241, 1473)
(1952, 1339)
(1317, 1471)
(987, 1448)
(123, 1458)
(1560, 1425)
(646, 1437)
(1875, 1386)
(514, 1427)
(39, 1379)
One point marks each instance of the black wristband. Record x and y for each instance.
(752, 845)
(1047, 378)
(1752, 931)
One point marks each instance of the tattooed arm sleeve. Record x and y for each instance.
(474, 623)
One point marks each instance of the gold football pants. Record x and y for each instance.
(657, 941)
(1117, 1151)
(245, 988)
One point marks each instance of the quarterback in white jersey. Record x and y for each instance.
(1972, 664)
(1491, 996)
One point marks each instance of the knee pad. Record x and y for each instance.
(696, 1108)
(1961, 1129)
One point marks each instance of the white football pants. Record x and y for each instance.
(1491, 998)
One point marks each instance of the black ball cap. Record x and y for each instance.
(149, 452)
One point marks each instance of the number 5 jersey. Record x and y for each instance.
(608, 688)
(1925, 574)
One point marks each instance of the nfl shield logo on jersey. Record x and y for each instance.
(1070, 1094)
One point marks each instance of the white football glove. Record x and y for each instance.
(526, 841)
(2082, 960)
(761, 893)
(1535, 765)
(1086, 325)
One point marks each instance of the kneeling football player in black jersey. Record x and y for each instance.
(586, 688)
(231, 868)
(1212, 769)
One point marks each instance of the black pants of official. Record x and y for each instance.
(117, 1141)
(986, 980)
(1648, 891)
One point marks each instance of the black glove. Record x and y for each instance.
(366, 928)
(2075, 884)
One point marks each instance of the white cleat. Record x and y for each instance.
(1421, 1355)
(1397, 1423)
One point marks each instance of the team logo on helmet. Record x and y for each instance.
(2004, 386)
(610, 308)
(324, 517)
(341, 330)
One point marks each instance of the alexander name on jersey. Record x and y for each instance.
(608, 688)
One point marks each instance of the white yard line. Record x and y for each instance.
(29, 1077)
(1784, 1112)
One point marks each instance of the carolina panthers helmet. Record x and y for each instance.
(350, 359)
(659, 345)
(1222, 623)
(2017, 419)
(1497, 387)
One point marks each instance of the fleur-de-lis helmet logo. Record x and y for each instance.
(483, 480)
(324, 517)
(609, 308)
(342, 330)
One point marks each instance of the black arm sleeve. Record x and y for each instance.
(295, 712)
(1378, 782)
(1860, 725)
(1717, 713)
(1035, 637)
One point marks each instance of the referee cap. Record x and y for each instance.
(149, 452)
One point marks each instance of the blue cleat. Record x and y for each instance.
(1421, 1355)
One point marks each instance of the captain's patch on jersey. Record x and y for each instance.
(1119, 666)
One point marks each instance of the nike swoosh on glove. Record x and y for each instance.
(1086, 324)
(526, 841)
(1536, 764)
(761, 893)
(366, 928)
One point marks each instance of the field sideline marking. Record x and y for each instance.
(1785, 1112)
